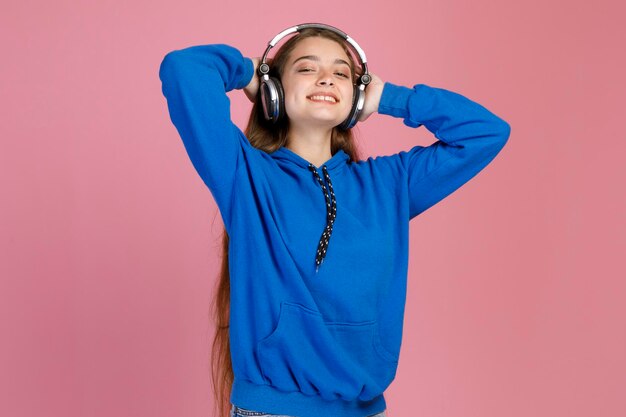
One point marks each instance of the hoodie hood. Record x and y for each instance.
(339, 159)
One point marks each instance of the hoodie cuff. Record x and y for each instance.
(394, 101)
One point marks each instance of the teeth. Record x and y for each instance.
(323, 98)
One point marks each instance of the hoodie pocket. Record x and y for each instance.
(336, 360)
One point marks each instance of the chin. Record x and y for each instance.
(312, 120)
(330, 123)
(330, 120)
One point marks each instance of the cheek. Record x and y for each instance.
(348, 97)
(350, 93)
(294, 97)
(292, 105)
(290, 100)
(289, 92)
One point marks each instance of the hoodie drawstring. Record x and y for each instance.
(331, 213)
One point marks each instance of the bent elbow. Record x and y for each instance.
(505, 133)
(498, 137)
(501, 135)
(168, 65)
(506, 130)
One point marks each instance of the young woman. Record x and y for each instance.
(316, 239)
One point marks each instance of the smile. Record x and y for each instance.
(322, 99)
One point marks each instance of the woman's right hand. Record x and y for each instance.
(252, 88)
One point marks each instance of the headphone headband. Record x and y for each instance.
(365, 77)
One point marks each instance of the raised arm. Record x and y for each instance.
(470, 136)
(195, 81)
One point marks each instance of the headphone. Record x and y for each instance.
(272, 93)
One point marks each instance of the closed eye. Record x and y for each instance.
(338, 73)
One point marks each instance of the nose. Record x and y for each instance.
(325, 78)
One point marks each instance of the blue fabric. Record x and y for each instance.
(307, 343)
(241, 412)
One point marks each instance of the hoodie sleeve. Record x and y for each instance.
(470, 136)
(194, 82)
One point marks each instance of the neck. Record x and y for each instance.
(312, 144)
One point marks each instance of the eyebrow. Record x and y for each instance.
(317, 58)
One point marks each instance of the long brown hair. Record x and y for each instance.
(267, 138)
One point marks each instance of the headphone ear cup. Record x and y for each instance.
(353, 116)
(281, 100)
(271, 108)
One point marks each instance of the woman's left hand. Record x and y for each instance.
(373, 91)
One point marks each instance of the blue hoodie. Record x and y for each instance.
(319, 255)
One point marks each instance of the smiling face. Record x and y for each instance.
(317, 83)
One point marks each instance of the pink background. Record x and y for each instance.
(110, 240)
